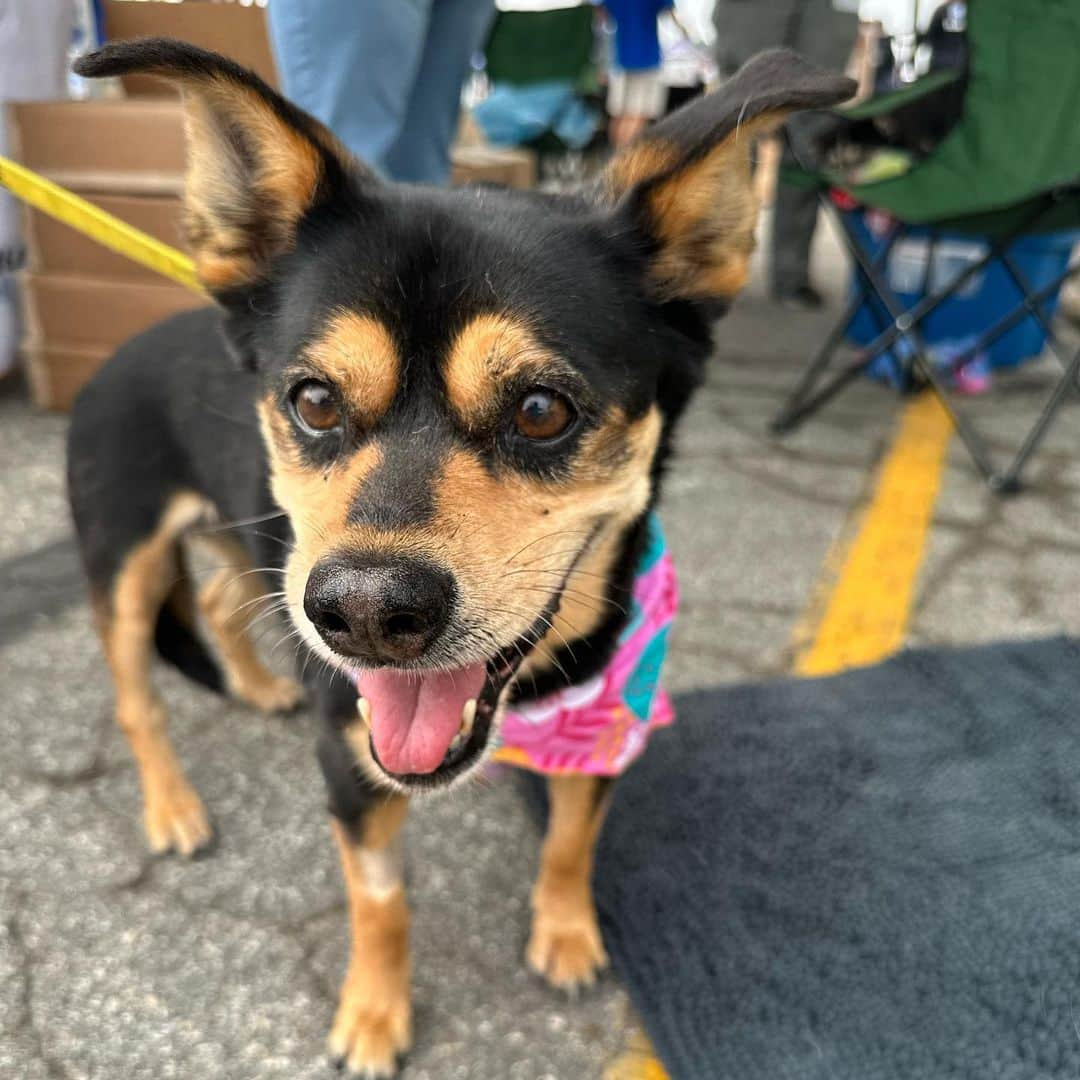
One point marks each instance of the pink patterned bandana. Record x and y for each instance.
(601, 726)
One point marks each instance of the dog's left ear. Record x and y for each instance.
(686, 185)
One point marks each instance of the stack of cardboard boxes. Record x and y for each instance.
(127, 156)
(80, 300)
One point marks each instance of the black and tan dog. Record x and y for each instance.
(423, 385)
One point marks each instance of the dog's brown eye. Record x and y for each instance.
(316, 406)
(543, 414)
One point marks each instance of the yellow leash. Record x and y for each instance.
(103, 227)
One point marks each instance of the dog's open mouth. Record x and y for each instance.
(427, 727)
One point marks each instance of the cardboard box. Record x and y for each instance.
(70, 312)
(56, 375)
(237, 31)
(493, 165)
(53, 247)
(102, 146)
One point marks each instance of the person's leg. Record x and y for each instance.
(635, 99)
(352, 64)
(456, 29)
(794, 215)
(825, 36)
(746, 27)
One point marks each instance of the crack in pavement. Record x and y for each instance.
(24, 962)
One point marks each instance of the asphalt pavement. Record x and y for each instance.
(115, 965)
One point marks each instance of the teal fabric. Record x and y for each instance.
(655, 545)
(655, 550)
(640, 688)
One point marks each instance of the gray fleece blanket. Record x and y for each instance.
(869, 877)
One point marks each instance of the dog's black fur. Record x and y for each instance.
(613, 283)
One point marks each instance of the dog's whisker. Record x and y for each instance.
(202, 571)
(262, 616)
(307, 659)
(571, 573)
(277, 595)
(587, 600)
(540, 539)
(240, 523)
(253, 570)
(537, 645)
(580, 594)
(289, 636)
(562, 636)
(574, 551)
(551, 626)
(287, 545)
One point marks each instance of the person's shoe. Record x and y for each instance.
(804, 298)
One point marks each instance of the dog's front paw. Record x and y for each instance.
(175, 818)
(372, 1028)
(568, 952)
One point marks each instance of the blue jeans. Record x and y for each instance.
(384, 75)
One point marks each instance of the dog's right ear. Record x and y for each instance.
(685, 187)
(256, 164)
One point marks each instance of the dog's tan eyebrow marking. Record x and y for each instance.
(357, 354)
(489, 350)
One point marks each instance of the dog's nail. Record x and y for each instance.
(363, 707)
(468, 715)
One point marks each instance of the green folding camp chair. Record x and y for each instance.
(1008, 169)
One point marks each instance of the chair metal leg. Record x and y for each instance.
(1009, 480)
(905, 326)
(794, 413)
(1017, 315)
(801, 402)
(807, 398)
(1032, 304)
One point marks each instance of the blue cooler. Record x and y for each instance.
(981, 302)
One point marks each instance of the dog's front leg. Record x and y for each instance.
(374, 1016)
(374, 1020)
(565, 945)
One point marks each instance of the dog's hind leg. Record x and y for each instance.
(229, 602)
(565, 945)
(373, 1023)
(173, 814)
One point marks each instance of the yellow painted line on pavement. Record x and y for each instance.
(637, 1062)
(870, 581)
(861, 606)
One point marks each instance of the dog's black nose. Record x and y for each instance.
(382, 611)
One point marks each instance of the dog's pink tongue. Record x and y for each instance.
(415, 715)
